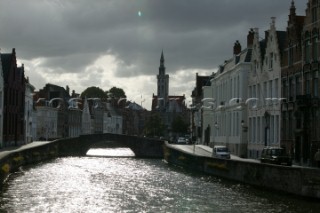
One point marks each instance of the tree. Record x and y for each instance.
(93, 92)
(154, 126)
(179, 125)
(116, 93)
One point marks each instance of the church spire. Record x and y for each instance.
(162, 59)
(162, 67)
(292, 8)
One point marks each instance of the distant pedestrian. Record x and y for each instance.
(317, 158)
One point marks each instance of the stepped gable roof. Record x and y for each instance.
(263, 46)
(282, 37)
(6, 60)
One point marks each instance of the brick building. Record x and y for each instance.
(14, 100)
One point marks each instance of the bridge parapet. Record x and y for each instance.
(141, 146)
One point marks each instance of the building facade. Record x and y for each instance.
(291, 85)
(197, 110)
(308, 103)
(230, 92)
(264, 88)
(112, 121)
(47, 122)
(13, 101)
(29, 111)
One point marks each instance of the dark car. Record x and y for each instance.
(275, 155)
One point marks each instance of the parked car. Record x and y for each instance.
(181, 140)
(275, 155)
(220, 152)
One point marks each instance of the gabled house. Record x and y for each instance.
(13, 103)
(307, 114)
(264, 91)
(64, 115)
(229, 95)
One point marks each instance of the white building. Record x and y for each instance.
(229, 95)
(206, 112)
(74, 122)
(264, 89)
(30, 134)
(47, 122)
(112, 121)
(86, 127)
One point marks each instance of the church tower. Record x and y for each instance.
(163, 83)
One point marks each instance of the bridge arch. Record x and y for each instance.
(141, 146)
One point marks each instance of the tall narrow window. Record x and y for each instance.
(307, 48)
(298, 85)
(284, 88)
(290, 56)
(315, 87)
(314, 14)
(308, 85)
(276, 89)
(315, 46)
(291, 89)
(271, 61)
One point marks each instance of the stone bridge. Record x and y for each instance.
(141, 146)
(12, 160)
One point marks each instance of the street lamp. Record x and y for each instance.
(267, 121)
(244, 127)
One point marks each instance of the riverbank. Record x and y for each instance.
(299, 181)
(11, 159)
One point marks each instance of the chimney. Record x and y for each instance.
(236, 48)
(250, 38)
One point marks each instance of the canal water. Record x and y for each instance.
(126, 184)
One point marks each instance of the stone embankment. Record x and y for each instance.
(295, 180)
(12, 159)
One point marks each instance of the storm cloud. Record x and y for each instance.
(65, 42)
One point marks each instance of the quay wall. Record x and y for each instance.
(299, 181)
(12, 160)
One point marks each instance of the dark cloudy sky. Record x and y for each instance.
(105, 43)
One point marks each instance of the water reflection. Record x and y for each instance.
(93, 184)
(111, 152)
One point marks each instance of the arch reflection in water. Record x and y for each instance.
(111, 152)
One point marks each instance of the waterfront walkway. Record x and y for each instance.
(202, 150)
(197, 149)
(5, 151)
